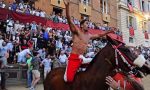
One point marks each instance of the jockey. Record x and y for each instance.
(81, 38)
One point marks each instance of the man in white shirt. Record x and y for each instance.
(63, 58)
(60, 19)
(42, 14)
(37, 13)
(9, 27)
(1, 41)
(22, 55)
(16, 25)
(47, 65)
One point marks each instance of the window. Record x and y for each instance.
(86, 2)
(57, 10)
(144, 26)
(101, 5)
(59, 1)
(131, 22)
(131, 40)
(149, 6)
(128, 1)
(83, 16)
(131, 2)
(104, 6)
(143, 7)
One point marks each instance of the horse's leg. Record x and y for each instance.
(46, 84)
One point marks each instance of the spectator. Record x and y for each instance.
(63, 58)
(14, 6)
(22, 54)
(47, 65)
(9, 27)
(23, 45)
(42, 53)
(1, 41)
(2, 4)
(4, 55)
(33, 28)
(55, 19)
(42, 14)
(35, 70)
(37, 13)
(29, 71)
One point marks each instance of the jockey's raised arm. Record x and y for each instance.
(73, 28)
(102, 34)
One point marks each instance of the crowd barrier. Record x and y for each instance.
(17, 75)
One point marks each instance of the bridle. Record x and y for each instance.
(124, 58)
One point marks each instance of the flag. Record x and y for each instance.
(131, 30)
(130, 7)
(146, 35)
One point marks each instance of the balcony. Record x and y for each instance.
(58, 3)
(106, 17)
(85, 8)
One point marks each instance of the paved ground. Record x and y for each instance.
(146, 82)
(39, 87)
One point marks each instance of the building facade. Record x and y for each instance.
(133, 21)
(98, 11)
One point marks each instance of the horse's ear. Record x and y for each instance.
(112, 41)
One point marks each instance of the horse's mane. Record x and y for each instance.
(94, 59)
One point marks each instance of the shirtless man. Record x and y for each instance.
(81, 38)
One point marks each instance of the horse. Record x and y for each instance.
(93, 78)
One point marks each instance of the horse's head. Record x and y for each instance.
(126, 59)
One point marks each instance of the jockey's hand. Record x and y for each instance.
(111, 82)
(66, 2)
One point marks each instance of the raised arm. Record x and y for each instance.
(102, 34)
(71, 25)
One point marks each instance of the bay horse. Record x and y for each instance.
(94, 77)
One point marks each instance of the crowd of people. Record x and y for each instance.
(21, 7)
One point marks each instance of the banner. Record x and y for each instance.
(130, 7)
(4, 14)
(146, 35)
(131, 30)
(28, 18)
